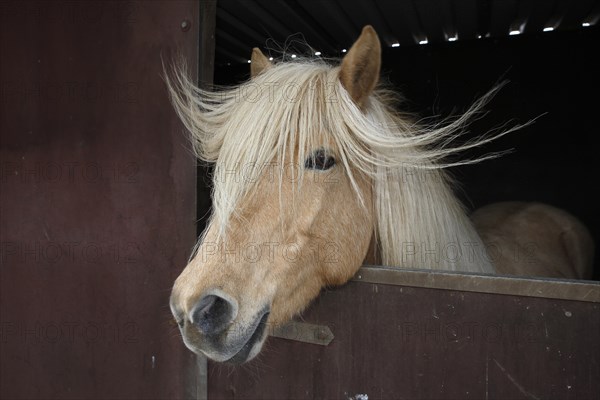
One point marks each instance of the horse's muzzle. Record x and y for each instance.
(215, 328)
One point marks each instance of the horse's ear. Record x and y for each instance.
(360, 67)
(258, 62)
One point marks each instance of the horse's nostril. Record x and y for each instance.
(212, 314)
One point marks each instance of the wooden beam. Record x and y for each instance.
(465, 18)
(403, 20)
(206, 66)
(502, 16)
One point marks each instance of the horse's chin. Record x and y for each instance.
(240, 348)
(254, 343)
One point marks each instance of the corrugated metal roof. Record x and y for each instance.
(330, 26)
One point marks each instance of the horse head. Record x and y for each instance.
(292, 214)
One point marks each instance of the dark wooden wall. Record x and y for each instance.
(97, 199)
(399, 342)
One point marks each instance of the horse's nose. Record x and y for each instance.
(212, 314)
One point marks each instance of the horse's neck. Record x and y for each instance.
(421, 224)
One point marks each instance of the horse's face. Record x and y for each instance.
(282, 246)
(275, 260)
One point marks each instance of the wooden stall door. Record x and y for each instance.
(97, 199)
(402, 342)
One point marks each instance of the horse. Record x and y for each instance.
(316, 173)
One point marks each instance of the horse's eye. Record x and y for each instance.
(319, 160)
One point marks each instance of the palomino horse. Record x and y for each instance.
(315, 172)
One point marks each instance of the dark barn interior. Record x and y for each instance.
(551, 75)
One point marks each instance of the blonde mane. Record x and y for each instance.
(289, 109)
